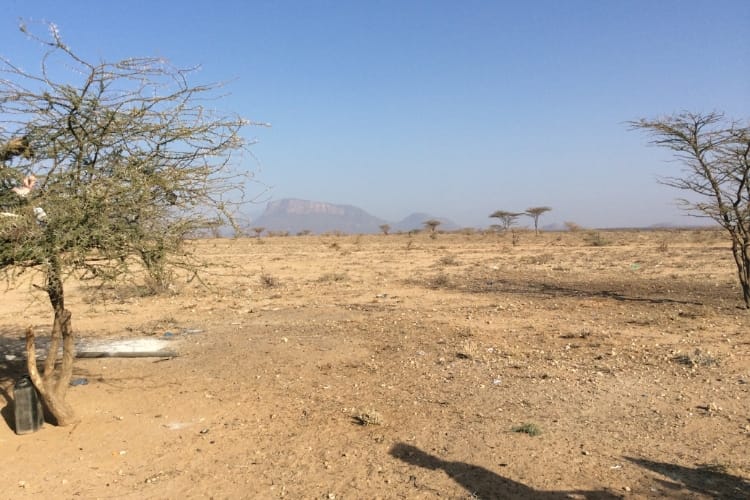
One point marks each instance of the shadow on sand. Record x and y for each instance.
(485, 484)
(709, 480)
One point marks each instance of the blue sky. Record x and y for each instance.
(456, 109)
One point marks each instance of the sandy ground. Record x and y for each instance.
(348, 367)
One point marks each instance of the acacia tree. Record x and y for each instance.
(385, 228)
(432, 225)
(129, 160)
(535, 213)
(507, 219)
(715, 153)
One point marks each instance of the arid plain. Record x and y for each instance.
(567, 365)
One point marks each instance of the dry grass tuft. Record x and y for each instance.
(368, 417)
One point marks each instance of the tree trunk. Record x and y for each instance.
(742, 259)
(745, 277)
(53, 383)
(53, 400)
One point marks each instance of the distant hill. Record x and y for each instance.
(295, 216)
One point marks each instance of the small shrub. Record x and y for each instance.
(595, 239)
(515, 237)
(698, 358)
(469, 350)
(268, 280)
(333, 277)
(448, 260)
(441, 280)
(368, 417)
(528, 428)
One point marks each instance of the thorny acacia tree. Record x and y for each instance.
(432, 225)
(715, 152)
(535, 213)
(507, 219)
(130, 160)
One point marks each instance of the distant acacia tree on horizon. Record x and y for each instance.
(432, 225)
(715, 153)
(535, 213)
(385, 228)
(507, 219)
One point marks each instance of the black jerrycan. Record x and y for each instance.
(28, 406)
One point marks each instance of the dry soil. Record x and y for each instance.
(566, 365)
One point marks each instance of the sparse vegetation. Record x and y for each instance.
(268, 280)
(528, 428)
(554, 333)
(448, 260)
(595, 239)
(715, 152)
(333, 277)
(697, 358)
(368, 417)
(515, 237)
(440, 280)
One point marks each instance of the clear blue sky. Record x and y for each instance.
(454, 108)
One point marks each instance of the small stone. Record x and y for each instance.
(21, 484)
(626, 488)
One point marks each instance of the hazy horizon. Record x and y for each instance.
(453, 109)
(547, 221)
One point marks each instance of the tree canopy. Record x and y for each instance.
(507, 219)
(106, 168)
(715, 154)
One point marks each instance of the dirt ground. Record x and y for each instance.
(569, 365)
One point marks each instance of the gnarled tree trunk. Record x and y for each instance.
(53, 383)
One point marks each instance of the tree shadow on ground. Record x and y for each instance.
(709, 480)
(485, 484)
(544, 289)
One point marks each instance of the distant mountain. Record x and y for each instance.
(417, 220)
(294, 216)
